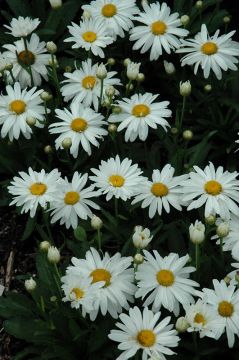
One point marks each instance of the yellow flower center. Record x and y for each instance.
(38, 189)
(18, 106)
(89, 36)
(159, 189)
(109, 10)
(158, 28)
(165, 277)
(101, 275)
(140, 110)
(79, 294)
(146, 338)
(71, 198)
(213, 187)
(225, 309)
(89, 82)
(79, 125)
(116, 180)
(199, 319)
(209, 48)
(26, 58)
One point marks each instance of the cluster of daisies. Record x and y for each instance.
(70, 201)
(104, 284)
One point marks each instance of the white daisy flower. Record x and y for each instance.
(82, 125)
(118, 280)
(71, 202)
(90, 35)
(159, 30)
(200, 319)
(216, 189)
(83, 85)
(21, 26)
(233, 275)
(231, 241)
(117, 15)
(165, 281)
(164, 190)
(16, 107)
(34, 57)
(143, 331)
(3, 63)
(80, 292)
(33, 189)
(224, 304)
(117, 178)
(214, 52)
(139, 113)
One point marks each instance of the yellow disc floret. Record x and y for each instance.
(159, 189)
(101, 275)
(146, 338)
(158, 28)
(89, 36)
(89, 82)
(225, 308)
(109, 10)
(165, 277)
(209, 48)
(38, 189)
(26, 57)
(140, 110)
(199, 319)
(116, 180)
(71, 198)
(18, 106)
(79, 125)
(79, 294)
(213, 187)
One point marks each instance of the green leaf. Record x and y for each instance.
(29, 228)
(16, 304)
(80, 233)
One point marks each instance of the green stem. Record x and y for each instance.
(197, 355)
(28, 58)
(197, 256)
(55, 79)
(221, 249)
(101, 90)
(182, 113)
(42, 303)
(46, 222)
(99, 239)
(128, 88)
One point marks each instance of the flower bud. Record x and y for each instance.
(181, 324)
(53, 255)
(48, 149)
(174, 130)
(116, 109)
(197, 232)
(184, 20)
(53, 62)
(199, 4)
(86, 15)
(110, 91)
(210, 219)
(96, 222)
(129, 86)
(51, 47)
(107, 102)
(126, 62)
(31, 121)
(169, 67)
(141, 237)
(185, 88)
(223, 229)
(66, 143)
(55, 4)
(187, 135)
(226, 19)
(30, 284)
(208, 88)
(132, 70)
(111, 61)
(101, 72)
(140, 77)
(53, 298)
(44, 245)
(112, 128)
(138, 259)
(45, 96)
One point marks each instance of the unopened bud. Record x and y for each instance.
(116, 110)
(223, 229)
(227, 279)
(96, 222)
(31, 121)
(68, 68)
(208, 88)
(187, 135)
(226, 19)
(86, 15)
(44, 245)
(184, 19)
(30, 284)
(181, 324)
(110, 91)
(66, 143)
(197, 232)
(129, 86)
(111, 61)
(53, 255)
(48, 149)
(174, 130)
(210, 219)
(138, 259)
(101, 71)
(51, 47)
(45, 96)
(169, 67)
(112, 128)
(185, 88)
(140, 77)
(126, 62)
(199, 4)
